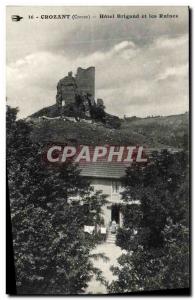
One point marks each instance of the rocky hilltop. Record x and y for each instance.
(75, 99)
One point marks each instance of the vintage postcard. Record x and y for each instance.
(98, 151)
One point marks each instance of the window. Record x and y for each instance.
(115, 186)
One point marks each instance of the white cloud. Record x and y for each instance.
(174, 71)
(123, 45)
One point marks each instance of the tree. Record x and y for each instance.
(156, 232)
(49, 207)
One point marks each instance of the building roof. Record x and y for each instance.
(112, 170)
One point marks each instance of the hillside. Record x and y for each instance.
(169, 131)
(96, 114)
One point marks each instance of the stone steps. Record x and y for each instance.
(111, 237)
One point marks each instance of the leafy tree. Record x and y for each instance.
(156, 231)
(49, 207)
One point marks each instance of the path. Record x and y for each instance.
(112, 252)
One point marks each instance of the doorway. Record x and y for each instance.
(115, 213)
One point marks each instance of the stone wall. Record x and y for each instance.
(85, 79)
(66, 90)
(83, 85)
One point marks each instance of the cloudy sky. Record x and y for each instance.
(141, 64)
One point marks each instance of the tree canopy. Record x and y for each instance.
(49, 208)
(156, 231)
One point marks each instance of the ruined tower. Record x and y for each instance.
(85, 79)
(66, 90)
(83, 84)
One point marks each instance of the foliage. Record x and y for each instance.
(97, 113)
(49, 207)
(156, 232)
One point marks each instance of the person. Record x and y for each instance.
(113, 226)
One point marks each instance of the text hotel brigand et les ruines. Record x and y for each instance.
(106, 16)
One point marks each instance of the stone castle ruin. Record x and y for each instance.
(77, 93)
(75, 101)
(85, 79)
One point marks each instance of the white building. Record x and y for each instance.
(106, 177)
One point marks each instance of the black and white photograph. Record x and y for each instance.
(98, 150)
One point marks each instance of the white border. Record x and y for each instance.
(4, 3)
